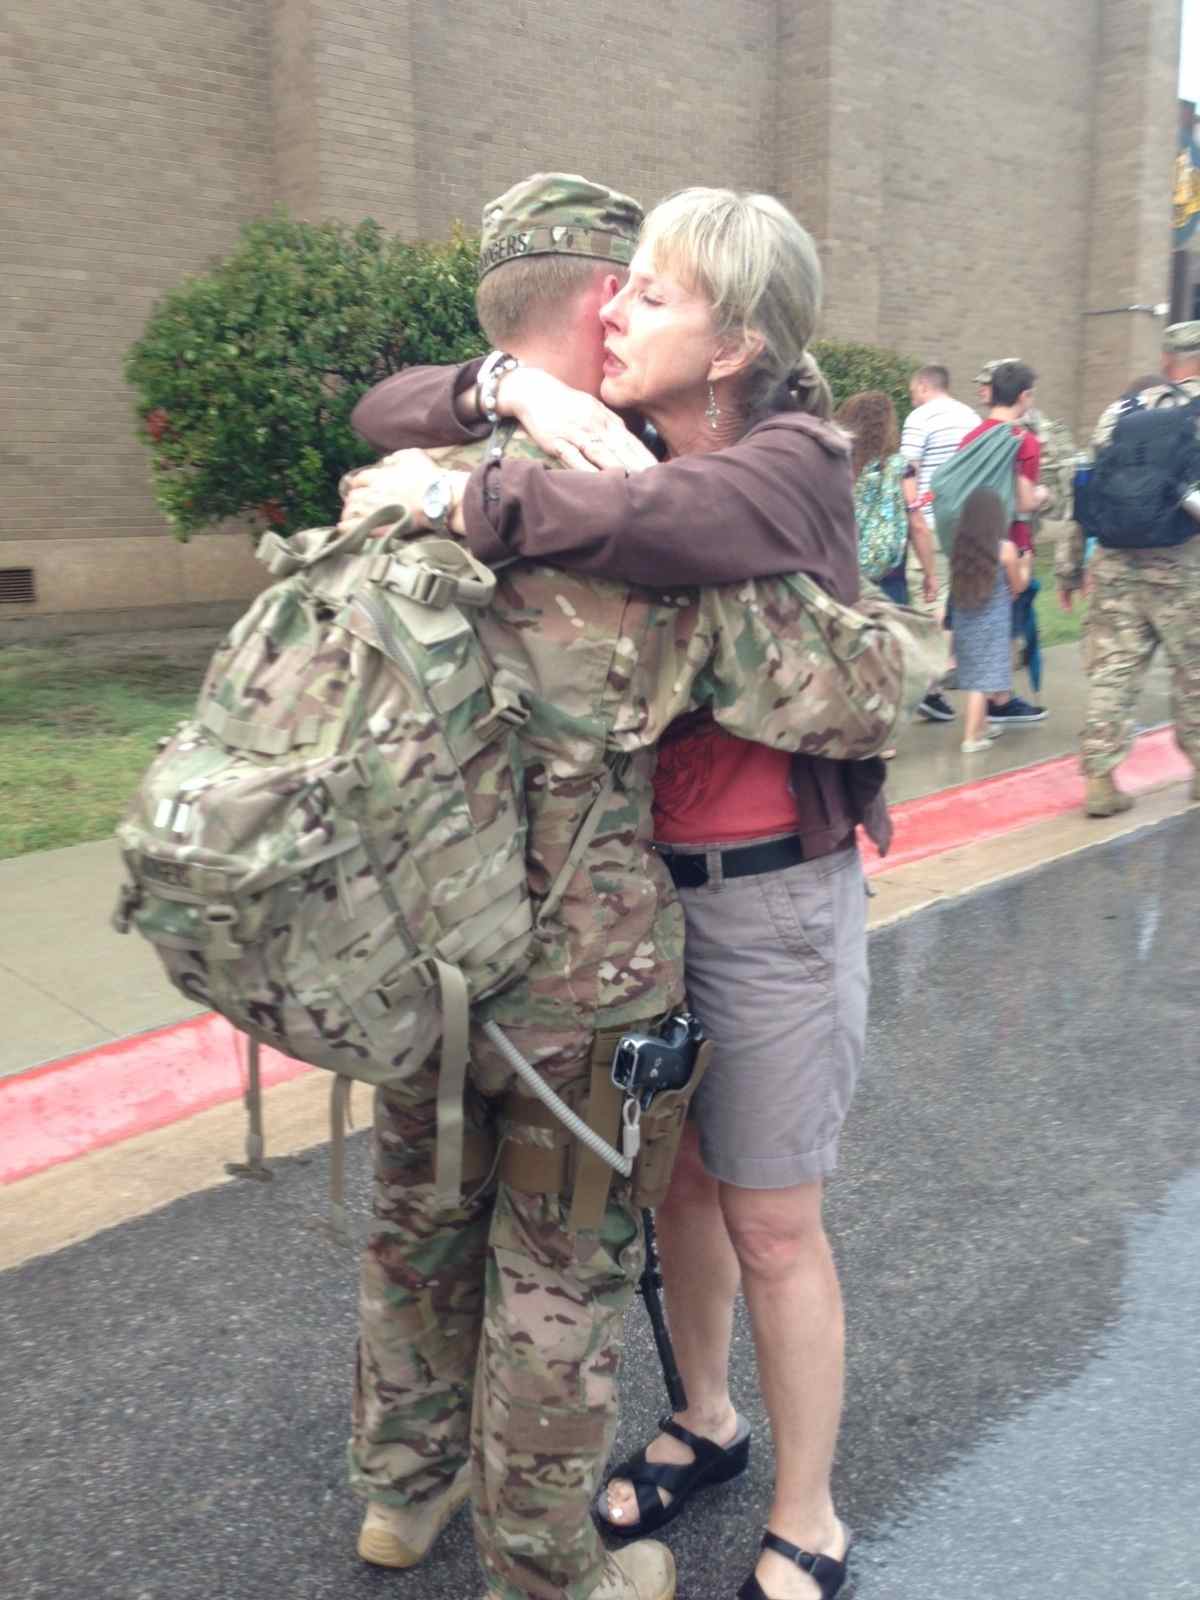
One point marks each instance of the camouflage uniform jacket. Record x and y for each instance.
(1057, 465)
(604, 669)
(1068, 564)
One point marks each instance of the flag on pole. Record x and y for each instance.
(1187, 186)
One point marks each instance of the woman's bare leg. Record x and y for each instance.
(975, 715)
(795, 1304)
(700, 1282)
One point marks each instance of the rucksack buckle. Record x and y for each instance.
(425, 585)
(430, 588)
(508, 710)
(220, 921)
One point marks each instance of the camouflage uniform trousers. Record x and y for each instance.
(490, 1341)
(1141, 599)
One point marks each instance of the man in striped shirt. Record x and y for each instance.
(932, 433)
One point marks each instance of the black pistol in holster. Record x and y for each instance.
(645, 1067)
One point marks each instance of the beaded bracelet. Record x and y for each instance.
(488, 382)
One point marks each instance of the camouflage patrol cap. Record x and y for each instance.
(559, 213)
(1182, 339)
(984, 375)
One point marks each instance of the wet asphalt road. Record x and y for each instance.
(1017, 1223)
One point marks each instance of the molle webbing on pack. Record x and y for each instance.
(331, 851)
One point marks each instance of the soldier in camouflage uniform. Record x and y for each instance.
(491, 1333)
(1140, 599)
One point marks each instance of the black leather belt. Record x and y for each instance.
(690, 870)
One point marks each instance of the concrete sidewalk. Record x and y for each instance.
(68, 983)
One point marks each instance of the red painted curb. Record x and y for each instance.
(973, 812)
(84, 1102)
(99, 1097)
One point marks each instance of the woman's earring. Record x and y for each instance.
(712, 410)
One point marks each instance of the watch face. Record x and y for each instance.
(436, 500)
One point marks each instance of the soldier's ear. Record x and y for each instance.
(611, 285)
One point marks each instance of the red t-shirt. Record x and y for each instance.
(1029, 465)
(711, 787)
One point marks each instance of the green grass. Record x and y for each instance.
(1054, 626)
(78, 725)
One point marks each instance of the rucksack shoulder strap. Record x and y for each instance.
(584, 835)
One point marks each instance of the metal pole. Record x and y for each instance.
(650, 1287)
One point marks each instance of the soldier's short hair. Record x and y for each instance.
(935, 375)
(1010, 381)
(534, 293)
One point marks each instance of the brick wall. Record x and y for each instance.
(977, 177)
(988, 188)
(1134, 152)
(648, 98)
(137, 139)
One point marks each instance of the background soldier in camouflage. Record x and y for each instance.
(513, 1302)
(1140, 599)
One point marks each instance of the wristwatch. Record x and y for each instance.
(437, 502)
(486, 384)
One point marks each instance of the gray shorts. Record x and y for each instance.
(776, 969)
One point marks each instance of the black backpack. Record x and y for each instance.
(1131, 498)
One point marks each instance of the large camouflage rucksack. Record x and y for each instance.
(330, 852)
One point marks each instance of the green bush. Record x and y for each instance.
(246, 375)
(850, 368)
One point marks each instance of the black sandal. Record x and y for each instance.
(713, 1463)
(828, 1575)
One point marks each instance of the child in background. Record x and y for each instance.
(987, 572)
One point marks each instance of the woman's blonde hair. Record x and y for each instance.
(749, 257)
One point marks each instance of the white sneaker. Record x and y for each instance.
(974, 747)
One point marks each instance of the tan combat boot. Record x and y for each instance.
(1104, 799)
(642, 1571)
(401, 1536)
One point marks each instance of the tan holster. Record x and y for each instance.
(559, 1164)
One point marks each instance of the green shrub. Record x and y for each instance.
(850, 368)
(246, 375)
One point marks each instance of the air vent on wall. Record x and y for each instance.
(16, 586)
